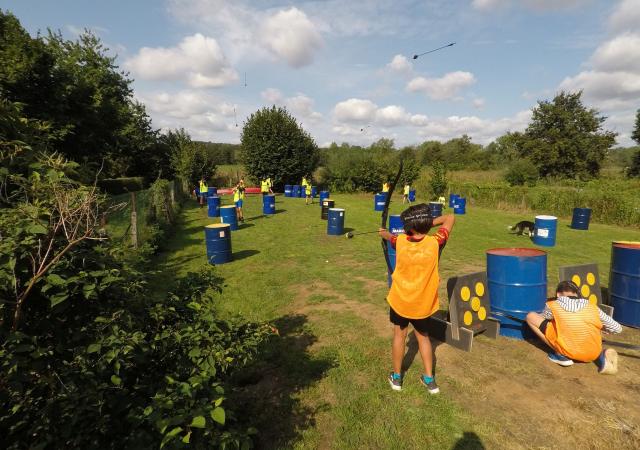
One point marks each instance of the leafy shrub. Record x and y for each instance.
(117, 186)
(438, 182)
(522, 172)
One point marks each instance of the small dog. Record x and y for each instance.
(523, 227)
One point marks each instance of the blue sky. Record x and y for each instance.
(345, 69)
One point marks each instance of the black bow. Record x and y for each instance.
(385, 214)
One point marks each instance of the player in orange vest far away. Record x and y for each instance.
(413, 296)
(571, 326)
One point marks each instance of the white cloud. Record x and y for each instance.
(539, 5)
(626, 16)
(400, 64)
(621, 53)
(272, 95)
(478, 103)
(291, 36)
(418, 120)
(443, 88)
(355, 110)
(197, 59)
(391, 116)
(302, 106)
(489, 4)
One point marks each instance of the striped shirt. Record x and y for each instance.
(573, 304)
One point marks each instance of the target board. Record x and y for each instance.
(587, 278)
(469, 311)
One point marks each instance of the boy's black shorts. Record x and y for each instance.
(421, 325)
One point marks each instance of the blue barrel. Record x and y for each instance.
(323, 195)
(295, 190)
(268, 204)
(213, 206)
(460, 206)
(213, 191)
(624, 282)
(302, 191)
(436, 209)
(412, 195)
(517, 279)
(197, 191)
(228, 216)
(314, 191)
(335, 222)
(379, 201)
(545, 231)
(218, 240)
(287, 190)
(581, 218)
(452, 200)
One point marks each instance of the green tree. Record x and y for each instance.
(190, 160)
(634, 170)
(438, 182)
(521, 171)
(565, 139)
(275, 145)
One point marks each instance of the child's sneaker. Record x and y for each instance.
(395, 380)
(560, 359)
(430, 384)
(611, 362)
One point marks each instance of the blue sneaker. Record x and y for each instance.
(395, 380)
(430, 384)
(560, 359)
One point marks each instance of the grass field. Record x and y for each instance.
(323, 384)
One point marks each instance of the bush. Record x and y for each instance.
(438, 182)
(522, 172)
(117, 186)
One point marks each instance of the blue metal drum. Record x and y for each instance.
(228, 216)
(379, 201)
(327, 204)
(545, 231)
(287, 190)
(218, 240)
(268, 204)
(452, 200)
(517, 279)
(213, 206)
(295, 190)
(436, 209)
(412, 195)
(323, 195)
(213, 191)
(624, 282)
(460, 207)
(581, 218)
(335, 222)
(314, 191)
(396, 226)
(302, 191)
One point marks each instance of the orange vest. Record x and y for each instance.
(414, 291)
(575, 334)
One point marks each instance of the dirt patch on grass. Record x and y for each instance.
(533, 403)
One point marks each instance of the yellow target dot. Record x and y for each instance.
(482, 313)
(591, 279)
(465, 294)
(479, 289)
(576, 280)
(468, 318)
(475, 303)
(585, 291)
(593, 299)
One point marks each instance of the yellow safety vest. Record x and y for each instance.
(304, 181)
(237, 195)
(264, 186)
(385, 187)
(203, 188)
(406, 189)
(307, 189)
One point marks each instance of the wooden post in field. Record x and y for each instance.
(134, 220)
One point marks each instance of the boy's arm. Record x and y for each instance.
(608, 324)
(392, 238)
(445, 222)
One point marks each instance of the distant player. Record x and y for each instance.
(238, 199)
(307, 191)
(204, 191)
(405, 194)
(413, 296)
(571, 326)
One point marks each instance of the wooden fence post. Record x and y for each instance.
(134, 220)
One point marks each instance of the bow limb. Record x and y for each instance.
(385, 215)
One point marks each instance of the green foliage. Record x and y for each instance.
(162, 205)
(222, 154)
(275, 145)
(634, 170)
(565, 139)
(438, 183)
(190, 160)
(635, 134)
(117, 186)
(521, 172)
